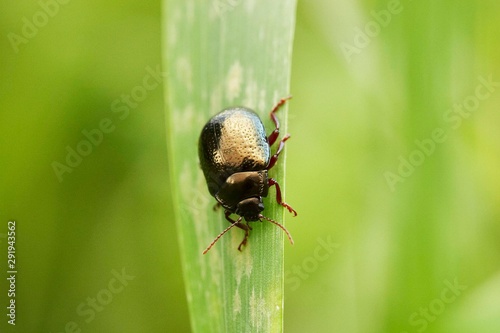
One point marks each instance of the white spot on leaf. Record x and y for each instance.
(249, 5)
(234, 81)
(259, 316)
(262, 101)
(172, 34)
(216, 100)
(237, 302)
(184, 73)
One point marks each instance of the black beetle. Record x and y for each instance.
(235, 156)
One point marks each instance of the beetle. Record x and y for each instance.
(235, 157)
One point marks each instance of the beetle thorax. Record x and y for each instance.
(242, 193)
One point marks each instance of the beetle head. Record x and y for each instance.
(250, 208)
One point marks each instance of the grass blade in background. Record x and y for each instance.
(218, 54)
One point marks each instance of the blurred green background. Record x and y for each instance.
(369, 79)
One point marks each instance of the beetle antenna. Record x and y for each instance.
(220, 235)
(279, 225)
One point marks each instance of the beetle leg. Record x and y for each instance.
(272, 182)
(271, 139)
(247, 229)
(240, 225)
(274, 158)
(216, 206)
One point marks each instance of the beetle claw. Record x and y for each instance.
(244, 241)
(290, 209)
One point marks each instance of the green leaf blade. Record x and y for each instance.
(220, 55)
(216, 58)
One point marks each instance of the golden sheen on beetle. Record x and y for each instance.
(235, 156)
